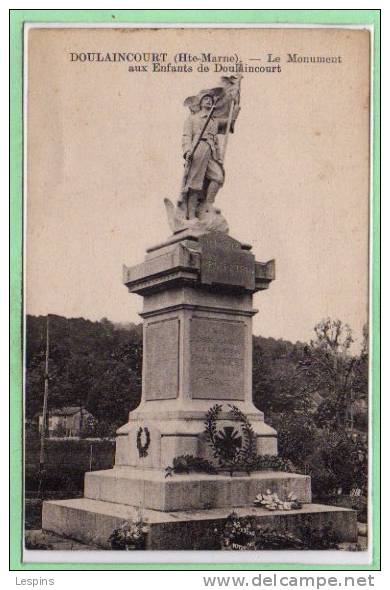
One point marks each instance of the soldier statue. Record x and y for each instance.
(213, 113)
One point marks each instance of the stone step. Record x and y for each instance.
(93, 521)
(151, 489)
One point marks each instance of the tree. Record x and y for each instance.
(114, 394)
(275, 377)
(328, 368)
(297, 436)
(89, 364)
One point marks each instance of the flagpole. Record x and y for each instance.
(229, 122)
(44, 412)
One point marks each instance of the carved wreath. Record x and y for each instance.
(143, 447)
(232, 449)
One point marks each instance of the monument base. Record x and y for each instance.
(196, 401)
(93, 521)
(198, 491)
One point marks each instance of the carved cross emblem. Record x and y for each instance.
(229, 441)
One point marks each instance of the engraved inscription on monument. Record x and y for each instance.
(217, 349)
(162, 359)
(224, 262)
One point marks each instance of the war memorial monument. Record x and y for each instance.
(196, 448)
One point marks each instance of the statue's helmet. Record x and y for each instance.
(214, 93)
(193, 102)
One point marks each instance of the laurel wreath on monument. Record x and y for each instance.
(232, 451)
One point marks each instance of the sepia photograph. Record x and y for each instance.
(197, 293)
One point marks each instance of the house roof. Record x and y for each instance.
(65, 411)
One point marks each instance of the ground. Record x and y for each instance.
(41, 540)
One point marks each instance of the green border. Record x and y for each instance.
(230, 17)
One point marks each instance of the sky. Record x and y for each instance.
(104, 150)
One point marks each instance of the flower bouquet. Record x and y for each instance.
(271, 501)
(238, 534)
(131, 536)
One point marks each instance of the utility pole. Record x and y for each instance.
(44, 414)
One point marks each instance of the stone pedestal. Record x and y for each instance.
(197, 337)
(92, 522)
(197, 312)
(150, 488)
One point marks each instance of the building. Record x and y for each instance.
(67, 421)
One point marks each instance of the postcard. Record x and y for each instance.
(197, 330)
